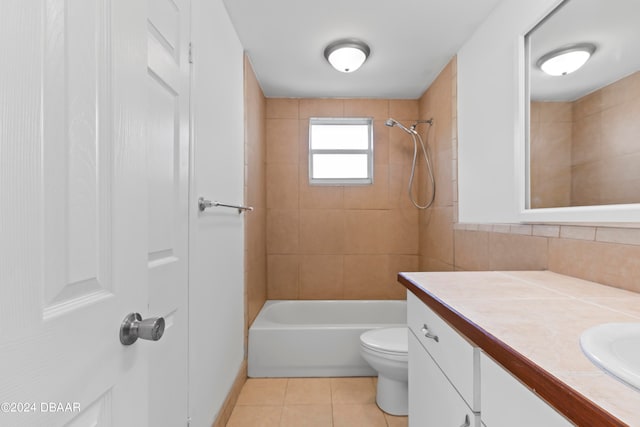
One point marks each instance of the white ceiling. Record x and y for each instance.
(411, 41)
(612, 25)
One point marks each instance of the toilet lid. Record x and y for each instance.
(388, 340)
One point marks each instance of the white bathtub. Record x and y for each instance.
(317, 338)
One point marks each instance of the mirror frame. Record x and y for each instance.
(601, 214)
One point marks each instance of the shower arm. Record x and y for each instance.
(417, 122)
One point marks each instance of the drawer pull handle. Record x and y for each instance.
(427, 333)
(467, 422)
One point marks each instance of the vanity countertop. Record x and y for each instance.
(530, 322)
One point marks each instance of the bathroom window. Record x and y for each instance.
(340, 151)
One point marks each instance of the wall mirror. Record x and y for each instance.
(584, 126)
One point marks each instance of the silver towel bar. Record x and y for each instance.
(204, 204)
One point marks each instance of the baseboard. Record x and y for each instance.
(232, 397)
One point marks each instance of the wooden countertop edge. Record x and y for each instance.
(573, 405)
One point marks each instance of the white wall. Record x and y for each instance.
(489, 114)
(216, 282)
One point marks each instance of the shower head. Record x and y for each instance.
(393, 122)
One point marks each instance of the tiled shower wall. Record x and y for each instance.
(436, 223)
(338, 242)
(255, 245)
(349, 242)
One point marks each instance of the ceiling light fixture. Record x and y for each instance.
(566, 60)
(347, 55)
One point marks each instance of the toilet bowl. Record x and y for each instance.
(386, 350)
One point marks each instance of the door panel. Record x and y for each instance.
(72, 238)
(77, 160)
(168, 163)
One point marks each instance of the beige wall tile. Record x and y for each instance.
(436, 234)
(255, 257)
(400, 147)
(607, 263)
(376, 108)
(321, 108)
(283, 231)
(399, 175)
(517, 252)
(367, 232)
(322, 231)
(403, 109)
(525, 229)
(282, 108)
(397, 264)
(282, 186)
(320, 196)
(577, 232)
(472, 250)
(554, 112)
(546, 230)
(282, 140)
(628, 236)
(622, 91)
(380, 143)
(501, 228)
(430, 264)
(403, 231)
(365, 276)
(282, 276)
(620, 128)
(373, 196)
(587, 105)
(321, 277)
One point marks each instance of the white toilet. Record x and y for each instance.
(386, 350)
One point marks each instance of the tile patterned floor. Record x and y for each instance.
(310, 402)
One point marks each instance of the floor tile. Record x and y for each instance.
(367, 415)
(352, 390)
(255, 416)
(308, 391)
(263, 391)
(307, 416)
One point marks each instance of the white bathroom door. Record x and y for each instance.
(168, 204)
(73, 217)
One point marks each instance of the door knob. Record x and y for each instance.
(133, 327)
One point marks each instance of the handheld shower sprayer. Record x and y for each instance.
(416, 137)
(393, 122)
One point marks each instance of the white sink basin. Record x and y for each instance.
(615, 348)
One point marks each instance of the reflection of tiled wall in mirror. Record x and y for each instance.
(587, 152)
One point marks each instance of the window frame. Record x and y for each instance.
(368, 151)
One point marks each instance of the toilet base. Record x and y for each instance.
(393, 396)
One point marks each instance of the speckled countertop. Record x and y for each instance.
(540, 315)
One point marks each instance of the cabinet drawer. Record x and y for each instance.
(507, 402)
(433, 401)
(458, 359)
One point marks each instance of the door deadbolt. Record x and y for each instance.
(133, 327)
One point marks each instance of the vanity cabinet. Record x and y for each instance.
(443, 372)
(507, 402)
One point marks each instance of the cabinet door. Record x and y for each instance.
(506, 402)
(458, 359)
(433, 402)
